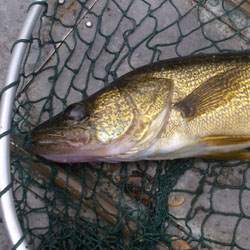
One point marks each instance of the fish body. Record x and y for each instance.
(196, 106)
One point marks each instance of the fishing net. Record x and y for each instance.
(79, 47)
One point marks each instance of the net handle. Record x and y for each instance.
(11, 222)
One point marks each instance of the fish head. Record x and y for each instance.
(115, 124)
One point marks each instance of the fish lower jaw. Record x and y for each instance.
(90, 153)
(66, 158)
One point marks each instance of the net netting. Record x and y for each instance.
(77, 48)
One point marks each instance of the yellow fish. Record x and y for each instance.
(196, 106)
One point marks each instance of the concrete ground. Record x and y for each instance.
(217, 228)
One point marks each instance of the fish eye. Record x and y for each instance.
(75, 112)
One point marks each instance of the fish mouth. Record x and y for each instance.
(63, 151)
(66, 154)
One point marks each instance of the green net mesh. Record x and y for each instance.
(77, 48)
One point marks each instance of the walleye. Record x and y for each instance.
(195, 106)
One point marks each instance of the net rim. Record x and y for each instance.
(11, 222)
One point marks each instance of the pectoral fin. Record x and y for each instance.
(216, 92)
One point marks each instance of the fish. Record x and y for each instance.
(193, 106)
